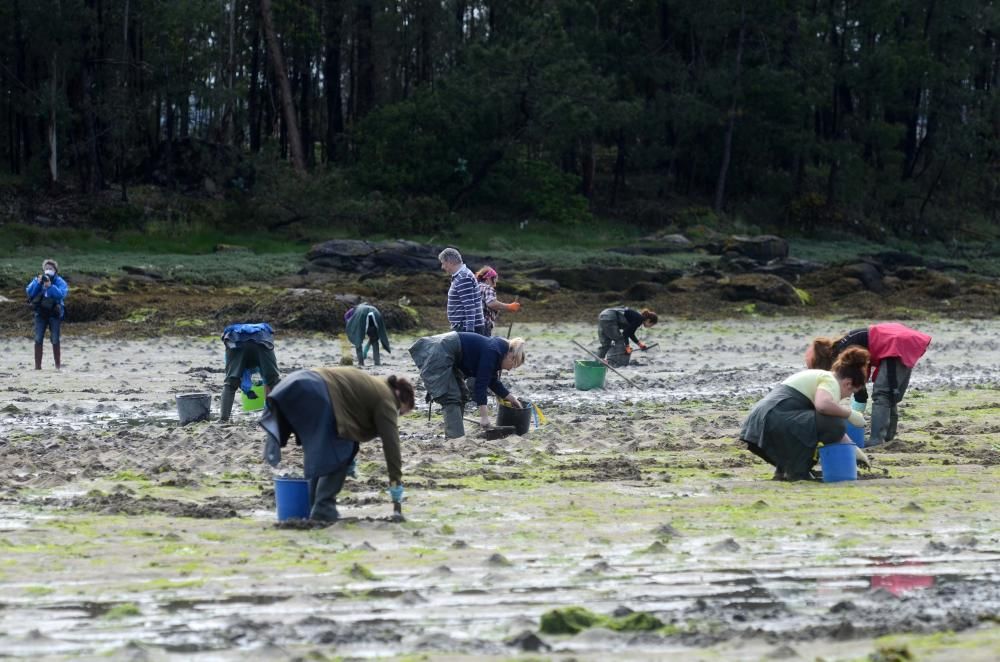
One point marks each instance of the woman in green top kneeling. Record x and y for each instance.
(785, 427)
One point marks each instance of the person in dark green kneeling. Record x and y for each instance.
(332, 410)
(248, 346)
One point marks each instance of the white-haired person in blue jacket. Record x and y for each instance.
(47, 295)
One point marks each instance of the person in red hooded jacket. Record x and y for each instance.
(894, 350)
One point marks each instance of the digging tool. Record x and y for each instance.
(649, 346)
(606, 364)
(493, 431)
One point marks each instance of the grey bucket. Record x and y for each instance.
(193, 407)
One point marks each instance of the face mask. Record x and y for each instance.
(50, 273)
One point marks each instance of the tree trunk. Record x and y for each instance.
(331, 78)
(619, 179)
(254, 106)
(124, 119)
(22, 136)
(91, 175)
(53, 129)
(727, 148)
(425, 43)
(281, 73)
(588, 167)
(364, 84)
(305, 108)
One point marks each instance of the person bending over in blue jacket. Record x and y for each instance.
(248, 346)
(47, 295)
(446, 360)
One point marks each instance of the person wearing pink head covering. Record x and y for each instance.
(487, 277)
(894, 349)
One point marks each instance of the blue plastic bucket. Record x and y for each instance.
(292, 498)
(838, 462)
(856, 434)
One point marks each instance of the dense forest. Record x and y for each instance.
(804, 114)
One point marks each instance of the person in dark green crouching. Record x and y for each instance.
(331, 411)
(249, 346)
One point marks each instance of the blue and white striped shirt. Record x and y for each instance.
(465, 302)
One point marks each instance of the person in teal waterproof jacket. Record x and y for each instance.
(47, 295)
(365, 320)
(248, 346)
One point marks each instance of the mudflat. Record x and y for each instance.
(633, 510)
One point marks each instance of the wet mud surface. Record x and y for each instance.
(125, 536)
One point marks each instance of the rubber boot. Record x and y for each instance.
(375, 357)
(323, 492)
(57, 355)
(881, 414)
(890, 433)
(39, 349)
(454, 426)
(226, 406)
(360, 355)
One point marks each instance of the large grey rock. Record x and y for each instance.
(599, 279)
(760, 287)
(763, 248)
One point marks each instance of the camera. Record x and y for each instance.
(45, 278)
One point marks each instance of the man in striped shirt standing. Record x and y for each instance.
(465, 301)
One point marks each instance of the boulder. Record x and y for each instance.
(939, 286)
(760, 287)
(869, 275)
(601, 279)
(397, 256)
(643, 291)
(789, 268)
(762, 248)
(671, 243)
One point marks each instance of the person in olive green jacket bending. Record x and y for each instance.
(332, 410)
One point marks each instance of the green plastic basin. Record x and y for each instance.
(589, 375)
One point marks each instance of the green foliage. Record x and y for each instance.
(894, 136)
(122, 610)
(571, 620)
(537, 189)
(568, 620)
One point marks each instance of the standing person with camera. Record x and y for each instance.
(46, 293)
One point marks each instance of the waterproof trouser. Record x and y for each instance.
(608, 333)
(889, 388)
(323, 491)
